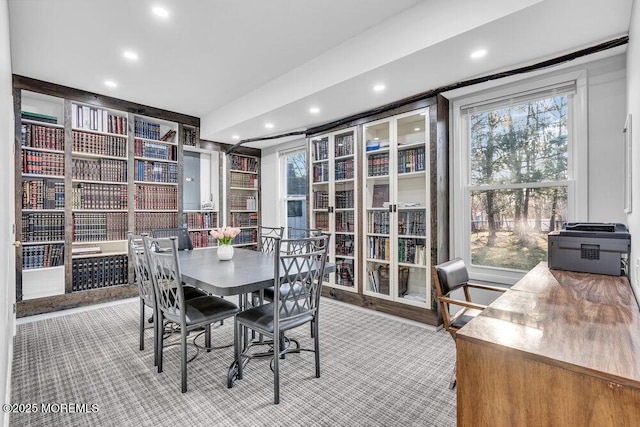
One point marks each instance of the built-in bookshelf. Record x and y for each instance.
(155, 169)
(243, 197)
(334, 196)
(88, 170)
(396, 241)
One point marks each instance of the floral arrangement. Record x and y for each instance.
(225, 235)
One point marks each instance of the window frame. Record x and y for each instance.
(283, 187)
(577, 172)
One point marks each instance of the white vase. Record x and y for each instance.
(225, 252)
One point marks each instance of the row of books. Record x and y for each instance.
(320, 149)
(378, 164)
(201, 239)
(344, 272)
(344, 145)
(247, 235)
(344, 244)
(99, 170)
(97, 119)
(104, 145)
(145, 129)
(42, 163)
(320, 199)
(190, 137)
(241, 202)
(154, 150)
(156, 197)
(244, 219)
(147, 221)
(321, 172)
(412, 222)
(322, 220)
(378, 222)
(43, 194)
(156, 171)
(344, 199)
(99, 272)
(42, 226)
(36, 136)
(378, 248)
(344, 169)
(345, 222)
(411, 160)
(241, 163)
(412, 251)
(99, 226)
(99, 196)
(42, 256)
(379, 279)
(243, 180)
(201, 219)
(37, 117)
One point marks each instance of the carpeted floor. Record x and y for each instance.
(376, 371)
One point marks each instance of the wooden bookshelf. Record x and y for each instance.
(89, 168)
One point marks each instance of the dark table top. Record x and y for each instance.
(246, 272)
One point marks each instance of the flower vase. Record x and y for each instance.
(225, 252)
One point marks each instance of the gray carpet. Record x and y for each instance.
(376, 371)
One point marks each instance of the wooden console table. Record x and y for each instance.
(559, 348)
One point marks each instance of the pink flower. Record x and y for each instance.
(225, 235)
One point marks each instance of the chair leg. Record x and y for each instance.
(207, 337)
(316, 345)
(237, 329)
(276, 369)
(160, 339)
(156, 331)
(141, 324)
(453, 381)
(183, 351)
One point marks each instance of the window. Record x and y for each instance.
(295, 189)
(516, 179)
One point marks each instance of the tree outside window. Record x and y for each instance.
(517, 181)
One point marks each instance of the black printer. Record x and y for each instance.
(590, 247)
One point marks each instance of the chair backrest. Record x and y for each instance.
(299, 245)
(450, 275)
(267, 238)
(184, 240)
(164, 266)
(298, 276)
(140, 267)
(301, 233)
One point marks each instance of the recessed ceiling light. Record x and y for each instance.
(160, 11)
(269, 125)
(110, 83)
(314, 110)
(416, 129)
(376, 139)
(379, 87)
(235, 137)
(478, 53)
(131, 55)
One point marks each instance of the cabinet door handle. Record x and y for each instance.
(17, 243)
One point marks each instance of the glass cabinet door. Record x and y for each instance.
(377, 249)
(396, 203)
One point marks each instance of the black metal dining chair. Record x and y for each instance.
(299, 280)
(173, 307)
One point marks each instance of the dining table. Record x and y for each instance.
(246, 272)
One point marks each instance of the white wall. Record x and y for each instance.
(7, 259)
(270, 187)
(633, 107)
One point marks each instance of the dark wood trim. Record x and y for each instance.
(75, 299)
(410, 312)
(246, 151)
(17, 102)
(52, 89)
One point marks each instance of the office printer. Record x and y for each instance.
(590, 247)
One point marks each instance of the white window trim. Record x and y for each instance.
(577, 185)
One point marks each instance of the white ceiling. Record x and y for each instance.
(238, 64)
